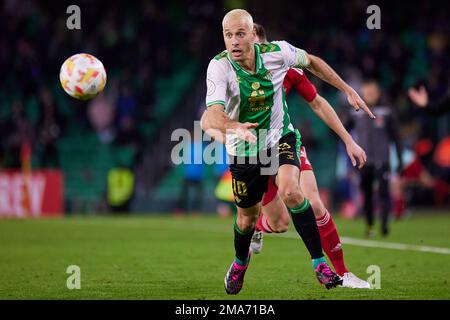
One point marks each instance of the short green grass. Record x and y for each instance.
(162, 257)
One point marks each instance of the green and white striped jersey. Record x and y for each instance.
(257, 98)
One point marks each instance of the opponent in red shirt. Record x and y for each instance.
(275, 217)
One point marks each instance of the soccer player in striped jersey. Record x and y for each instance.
(275, 217)
(244, 92)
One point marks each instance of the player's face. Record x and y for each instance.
(239, 38)
(370, 93)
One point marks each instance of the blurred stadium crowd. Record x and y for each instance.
(155, 54)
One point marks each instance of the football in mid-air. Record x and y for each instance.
(82, 76)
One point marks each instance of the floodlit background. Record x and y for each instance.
(156, 53)
(112, 155)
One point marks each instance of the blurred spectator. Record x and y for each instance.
(120, 189)
(222, 179)
(420, 98)
(146, 96)
(224, 195)
(101, 116)
(128, 135)
(194, 172)
(375, 136)
(126, 103)
(441, 158)
(427, 177)
(18, 131)
(50, 127)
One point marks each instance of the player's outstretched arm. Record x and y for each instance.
(324, 111)
(323, 71)
(205, 124)
(217, 124)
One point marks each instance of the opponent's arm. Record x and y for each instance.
(217, 124)
(324, 111)
(322, 70)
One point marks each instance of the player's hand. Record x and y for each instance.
(356, 154)
(419, 97)
(357, 103)
(242, 130)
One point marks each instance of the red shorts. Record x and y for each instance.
(272, 188)
(304, 161)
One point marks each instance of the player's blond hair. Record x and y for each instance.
(238, 14)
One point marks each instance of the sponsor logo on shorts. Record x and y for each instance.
(284, 146)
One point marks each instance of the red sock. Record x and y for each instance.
(263, 224)
(331, 243)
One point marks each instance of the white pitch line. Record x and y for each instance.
(382, 245)
(348, 240)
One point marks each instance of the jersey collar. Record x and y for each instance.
(258, 61)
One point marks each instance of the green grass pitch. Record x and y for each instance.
(162, 257)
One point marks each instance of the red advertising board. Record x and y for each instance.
(37, 194)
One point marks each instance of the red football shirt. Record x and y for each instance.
(296, 78)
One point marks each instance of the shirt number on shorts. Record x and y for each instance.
(239, 188)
